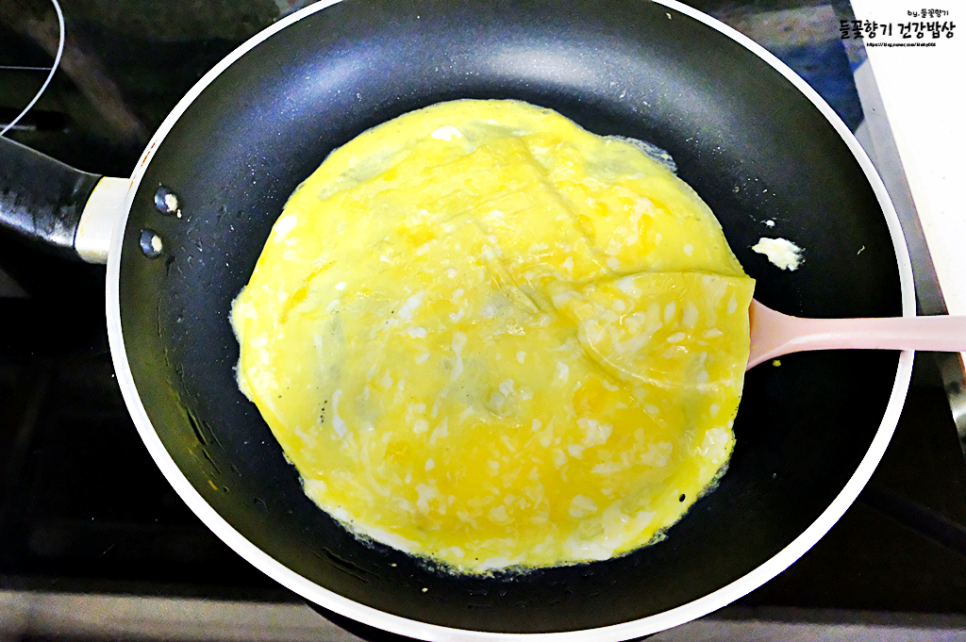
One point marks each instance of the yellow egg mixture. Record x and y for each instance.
(488, 337)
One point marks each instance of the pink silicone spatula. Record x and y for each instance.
(774, 334)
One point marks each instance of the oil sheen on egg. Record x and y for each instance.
(490, 338)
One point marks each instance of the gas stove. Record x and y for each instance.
(94, 543)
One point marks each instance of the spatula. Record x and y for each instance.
(774, 334)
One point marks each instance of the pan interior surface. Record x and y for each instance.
(752, 146)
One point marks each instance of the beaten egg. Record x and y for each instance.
(492, 339)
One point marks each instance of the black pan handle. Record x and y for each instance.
(41, 198)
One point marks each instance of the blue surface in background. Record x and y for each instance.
(826, 68)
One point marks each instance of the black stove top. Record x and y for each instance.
(83, 507)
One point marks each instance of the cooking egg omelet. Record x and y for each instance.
(487, 337)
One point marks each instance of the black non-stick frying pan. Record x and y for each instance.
(754, 141)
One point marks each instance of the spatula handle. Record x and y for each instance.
(935, 333)
(775, 334)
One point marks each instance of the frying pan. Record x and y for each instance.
(752, 139)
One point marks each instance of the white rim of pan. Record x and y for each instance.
(435, 633)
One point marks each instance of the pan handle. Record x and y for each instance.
(64, 210)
